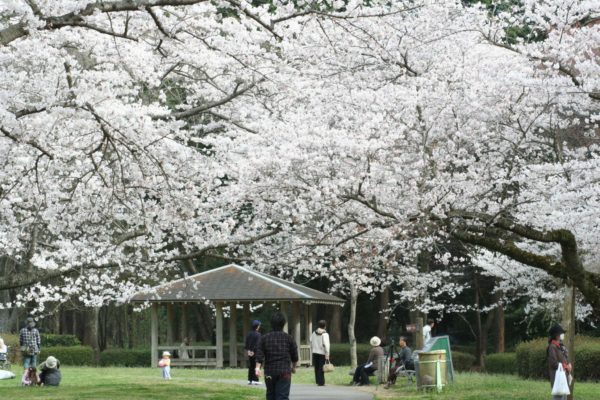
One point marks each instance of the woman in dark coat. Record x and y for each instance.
(557, 353)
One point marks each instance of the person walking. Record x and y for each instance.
(427, 331)
(557, 354)
(30, 343)
(319, 347)
(251, 344)
(278, 352)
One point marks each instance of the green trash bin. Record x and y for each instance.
(427, 367)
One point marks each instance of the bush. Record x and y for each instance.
(125, 357)
(49, 340)
(462, 361)
(340, 353)
(69, 355)
(501, 363)
(532, 363)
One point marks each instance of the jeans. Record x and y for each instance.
(166, 372)
(278, 387)
(318, 362)
(29, 361)
(251, 369)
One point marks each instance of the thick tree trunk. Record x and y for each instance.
(500, 342)
(335, 325)
(90, 337)
(384, 303)
(568, 324)
(351, 323)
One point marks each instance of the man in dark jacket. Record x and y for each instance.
(252, 339)
(279, 353)
(404, 362)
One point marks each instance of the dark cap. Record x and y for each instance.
(555, 331)
(255, 324)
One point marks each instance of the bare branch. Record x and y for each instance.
(29, 142)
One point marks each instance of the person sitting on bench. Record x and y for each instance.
(404, 362)
(361, 375)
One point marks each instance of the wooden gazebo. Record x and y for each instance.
(231, 285)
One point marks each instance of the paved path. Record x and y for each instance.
(314, 392)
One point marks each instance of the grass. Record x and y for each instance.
(146, 383)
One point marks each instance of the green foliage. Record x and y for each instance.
(462, 361)
(532, 362)
(340, 353)
(501, 363)
(49, 340)
(69, 355)
(125, 357)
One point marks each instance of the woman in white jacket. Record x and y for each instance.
(319, 347)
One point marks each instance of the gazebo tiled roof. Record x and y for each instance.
(234, 283)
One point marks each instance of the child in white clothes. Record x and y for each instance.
(165, 364)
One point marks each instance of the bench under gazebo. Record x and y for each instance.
(231, 285)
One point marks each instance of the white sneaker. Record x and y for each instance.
(255, 382)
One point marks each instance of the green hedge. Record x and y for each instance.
(462, 361)
(501, 363)
(125, 358)
(531, 359)
(69, 355)
(50, 340)
(340, 353)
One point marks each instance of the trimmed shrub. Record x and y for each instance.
(462, 361)
(340, 353)
(69, 355)
(125, 357)
(50, 340)
(532, 360)
(501, 363)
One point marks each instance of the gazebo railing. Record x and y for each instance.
(197, 356)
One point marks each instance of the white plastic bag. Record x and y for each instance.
(560, 387)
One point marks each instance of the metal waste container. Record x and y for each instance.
(428, 366)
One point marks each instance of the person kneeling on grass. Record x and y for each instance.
(50, 372)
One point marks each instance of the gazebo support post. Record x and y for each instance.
(308, 321)
(284, 308)
(246, 320)
(184, 322)
(154, 334)
(232, 335)
(170, 324)
(219, 333)
(297, 332)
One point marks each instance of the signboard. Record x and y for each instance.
(411, 328)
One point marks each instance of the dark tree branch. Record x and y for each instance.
(206, 107)
(29, 142)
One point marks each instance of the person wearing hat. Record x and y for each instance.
(361, 375)
(165, 364)
(50, 372)
(31, 344)
(557, 353)
(251, 344)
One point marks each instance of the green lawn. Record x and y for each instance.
(146, 383)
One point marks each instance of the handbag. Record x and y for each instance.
(328, 366)
(561, 386)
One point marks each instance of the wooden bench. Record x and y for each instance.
(198, 356)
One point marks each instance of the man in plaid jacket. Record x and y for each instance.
(30, 342)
